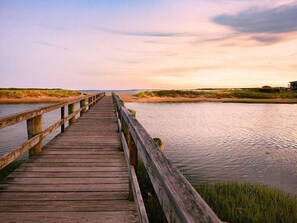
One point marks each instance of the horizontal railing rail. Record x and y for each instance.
(179, 200)
(134, 189)
(34, 124)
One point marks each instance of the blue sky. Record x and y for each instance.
(147, 44)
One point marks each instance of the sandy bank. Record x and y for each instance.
(128, 97)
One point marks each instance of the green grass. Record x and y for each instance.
(256, 93)
(14, 93)
(234, 202)
(9, 168)
(152, 204)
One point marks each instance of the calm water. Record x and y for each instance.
(207, 141)
(13, 136)
(227, 141)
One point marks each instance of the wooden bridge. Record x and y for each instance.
(88, 172)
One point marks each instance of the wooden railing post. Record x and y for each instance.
(62, 117)
(34, 127)
(179, 200)
(71, 109)
(90, 101)
(82, 104)
(133, 154)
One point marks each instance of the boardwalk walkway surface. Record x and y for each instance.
(81, 176)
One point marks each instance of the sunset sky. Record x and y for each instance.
(137, 44)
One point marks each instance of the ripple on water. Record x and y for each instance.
(225, 141)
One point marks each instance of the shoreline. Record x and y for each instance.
(130, 98)
(33, 100)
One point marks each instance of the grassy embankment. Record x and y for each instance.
(28, 95)
(274, 95)
(232, 202)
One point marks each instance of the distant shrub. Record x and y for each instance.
(22, 93)
(266, 92)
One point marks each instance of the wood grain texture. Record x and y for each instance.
(180, 202)
(22, 116)
(36, 140)
(80, 176)
(66, 217)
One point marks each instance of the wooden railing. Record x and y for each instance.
(34, 124)
(134, 189)
(179, 200)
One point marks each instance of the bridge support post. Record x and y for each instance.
(71, 109)
(34, 127)
(133, 154)
(82, 104)
(90, 101)
(62, 117)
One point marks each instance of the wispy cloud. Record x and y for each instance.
(51, 45)
(41, 25)
(267, 39)
(144, 33)
(49, 27)
(175, 71)
(281, 19)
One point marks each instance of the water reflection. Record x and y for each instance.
(227, 141)
(13, 136)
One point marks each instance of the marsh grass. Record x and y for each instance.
(239, 202)
(232, 202)
(152, 204)
(9, 168)
(15, 93)
(255, 93)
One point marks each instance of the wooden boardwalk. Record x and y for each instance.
(81, 176)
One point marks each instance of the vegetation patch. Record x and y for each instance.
(232, 202)
(151, 202)
(265, 92)
(18, 93)
(235, 202)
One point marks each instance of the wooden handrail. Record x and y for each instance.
(133, 182)
(23, 116)
(34, 128)
(179, 200)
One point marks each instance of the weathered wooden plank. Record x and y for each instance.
(63, 187)
(66, 217)
(179, 200)
(11, 156)
(110, 180)
(77, 174)
(71, 169)
(77, 160)
(22, 116)
(76, 144)
(97, 137)
(74, 133)
(81, 171)
(84, 156)
(138, 197)
(77, 164)
(64, 206)
(63, 196)
(80, 152)
(90, 147)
